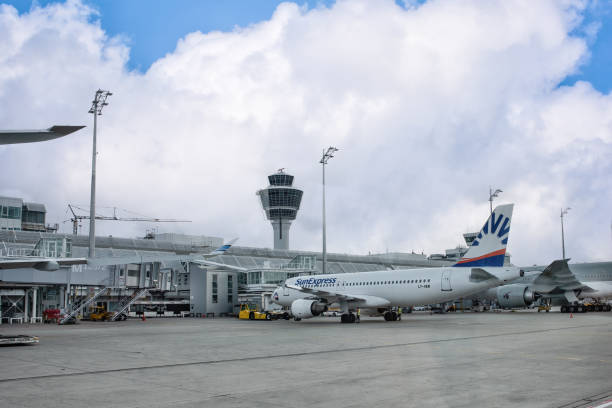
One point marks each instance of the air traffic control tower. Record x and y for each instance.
(281, 203)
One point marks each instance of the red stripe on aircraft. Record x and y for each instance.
(490, 254)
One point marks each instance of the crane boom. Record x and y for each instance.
(75, 218)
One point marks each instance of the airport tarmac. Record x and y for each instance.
(524, 359)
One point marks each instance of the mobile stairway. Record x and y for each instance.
(76, 308)
(127, 302)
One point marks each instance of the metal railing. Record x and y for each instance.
(76, 308)
(127, 302)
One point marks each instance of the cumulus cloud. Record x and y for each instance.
(429, 103)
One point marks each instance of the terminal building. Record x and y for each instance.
(162, 276)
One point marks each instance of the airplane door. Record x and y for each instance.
(446, 283)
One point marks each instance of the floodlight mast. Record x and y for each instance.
(563, 213)
(492, 195)
(326, 156)
(97, 104)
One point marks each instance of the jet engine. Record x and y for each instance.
(304, 308)
(510, 296)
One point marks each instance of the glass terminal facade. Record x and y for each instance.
(15, 215)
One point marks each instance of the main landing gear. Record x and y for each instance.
(348, 318)
(585, 307)
(390, 316)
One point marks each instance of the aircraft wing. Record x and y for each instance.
(558, 276)
(331, 297)
(45, 264)
(31, 136)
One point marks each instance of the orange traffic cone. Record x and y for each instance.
(144, 319)
(571, 315)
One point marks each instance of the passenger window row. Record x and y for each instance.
(373, 283)
(393, 282)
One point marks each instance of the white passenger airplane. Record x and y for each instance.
(378, 292)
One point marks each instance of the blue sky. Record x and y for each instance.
(597, 70)
(153, 27)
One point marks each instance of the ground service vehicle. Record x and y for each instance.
(100, 314)
(250, 311)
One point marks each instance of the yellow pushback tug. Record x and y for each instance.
(250, 311)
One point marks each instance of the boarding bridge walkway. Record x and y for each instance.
(127, 302)
(76, 308)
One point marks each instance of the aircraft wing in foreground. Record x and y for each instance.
(39, 135)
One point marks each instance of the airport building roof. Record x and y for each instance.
(246, 257)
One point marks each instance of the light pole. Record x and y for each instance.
(326, 156)
(96, 109)
(492, 195)
(563, 213)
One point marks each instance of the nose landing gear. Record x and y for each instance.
(390, 316)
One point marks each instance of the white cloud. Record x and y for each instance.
(429, 104)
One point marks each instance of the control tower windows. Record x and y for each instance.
(280, 179)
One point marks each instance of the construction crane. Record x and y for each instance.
(76, 218)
